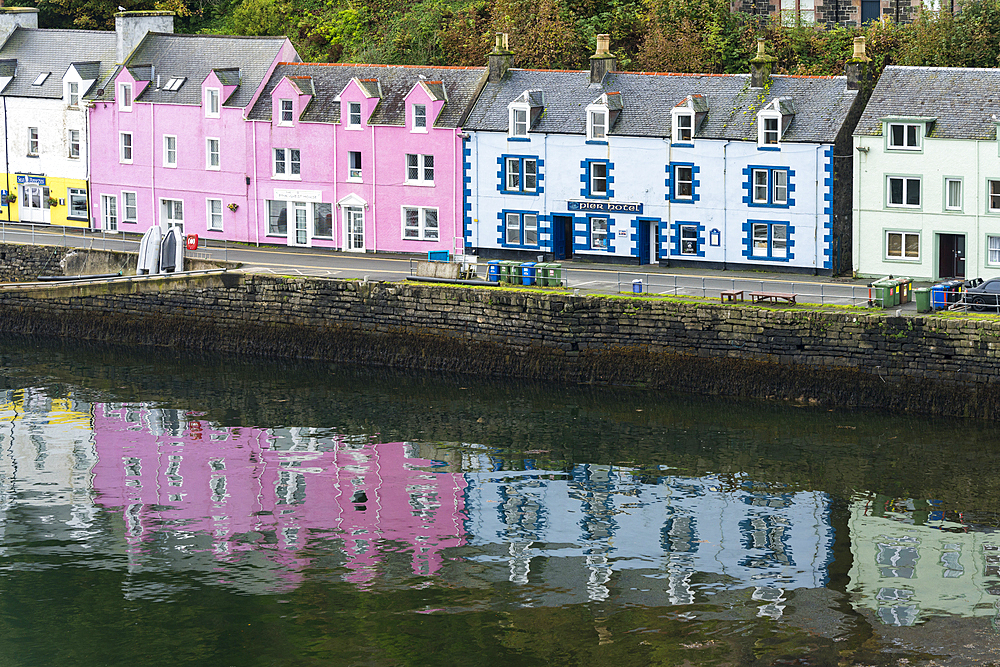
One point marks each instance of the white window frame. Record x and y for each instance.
(74, 144)
(213, 154)
(124, 96)
(906, 184)
(594, 178)
(71, 194)
(419, 123)
(767, 242)
(765, 133)
(993, 249)
(759, 188)
(422, 166)
(793, 13)
(516, 174)
(213, 98)
(993, 195)
(73, 93)
(355, 174)
(170, 151)
(417, 225)
(168, 205)
(903, 235)
(354, 113)
(290, 163)
(597, 125)
(678, 182)
(519, 118)
(781, 188)
(905, 138)
(687, 233)
(523, 225)
(212, 217)
(109, 213)
(125, 147)
(33, 141)
(594, 234)
(948, 205)
(286, 111)
(681, 134)
(130, 211)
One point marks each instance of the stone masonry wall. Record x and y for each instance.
(927, 364)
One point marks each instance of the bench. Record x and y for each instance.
(731, 295)
(773, 297)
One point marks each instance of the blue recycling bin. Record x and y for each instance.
(637, 286)
(528, 273)
(939, 296)
(493, 270)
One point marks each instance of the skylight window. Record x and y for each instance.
(175, 83)
(40, 79)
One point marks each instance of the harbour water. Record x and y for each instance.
(158, 508)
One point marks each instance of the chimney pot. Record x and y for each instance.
(499, 60)
(859, 49)
(603, 45)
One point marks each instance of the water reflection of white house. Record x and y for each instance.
(689, 535)
(910, 564)
(47, 456)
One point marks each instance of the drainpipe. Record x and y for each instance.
(725, 206)
(335, 205)
(374, 191)
(6, 154)
(86, 139)
(152, 160)
(455, 164)
(256, 192)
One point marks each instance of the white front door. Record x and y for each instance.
(172, 214)
(34, 203)
(298, 232)
(354, 229)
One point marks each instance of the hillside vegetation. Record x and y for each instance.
(649, 35)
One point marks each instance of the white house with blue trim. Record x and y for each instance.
(737, 171)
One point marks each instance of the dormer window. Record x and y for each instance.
(519, 123)
(772, 121)
(40, 79)
(212, 102)
(419, 118)
(683, 128)
(904, 136)
(598, 126)
(354, 114)
(73, 93)
(286, 112)
(125, 96)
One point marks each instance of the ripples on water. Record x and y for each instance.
(202, 510)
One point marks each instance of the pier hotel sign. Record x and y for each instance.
(605, 206)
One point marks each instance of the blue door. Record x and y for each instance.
(642, 242)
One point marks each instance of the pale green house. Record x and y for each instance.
(927, 175)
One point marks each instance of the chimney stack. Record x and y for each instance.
(603, 61)
(13, 17)
(761, 67)
(131, 27)
(857, 67)
(499, 59)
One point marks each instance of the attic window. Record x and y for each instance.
(770, 130)
(519, 123)
(598, 125)
(40, 79)
(175, 83)
(772, 121)
(683, 127)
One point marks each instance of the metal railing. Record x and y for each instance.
(712, 287)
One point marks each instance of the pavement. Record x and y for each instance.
(586, 277)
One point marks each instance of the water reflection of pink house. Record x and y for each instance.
(273, 491)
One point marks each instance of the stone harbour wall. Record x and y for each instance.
(928, 364)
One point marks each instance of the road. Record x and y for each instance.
(583, 276)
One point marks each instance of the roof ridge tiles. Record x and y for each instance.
(456, 67)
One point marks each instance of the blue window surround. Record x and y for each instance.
(467, 191)
(776, 149)
(502, 229)
(585, 179)
(748, 240)
(748, 186)
(585, 244)
(596, 142)
(518, 138)
(502, 175)
(828, 209)
(675, 238)
(695, 182)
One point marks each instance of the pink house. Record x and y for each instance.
(186, 486)
(170, 143)
(362, 158)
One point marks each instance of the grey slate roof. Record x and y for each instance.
(458, 86)
(170, 55)
(822, 103)
(964, 100)
(48, 50)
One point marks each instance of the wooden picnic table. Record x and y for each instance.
(773, 297)
(731, 295)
